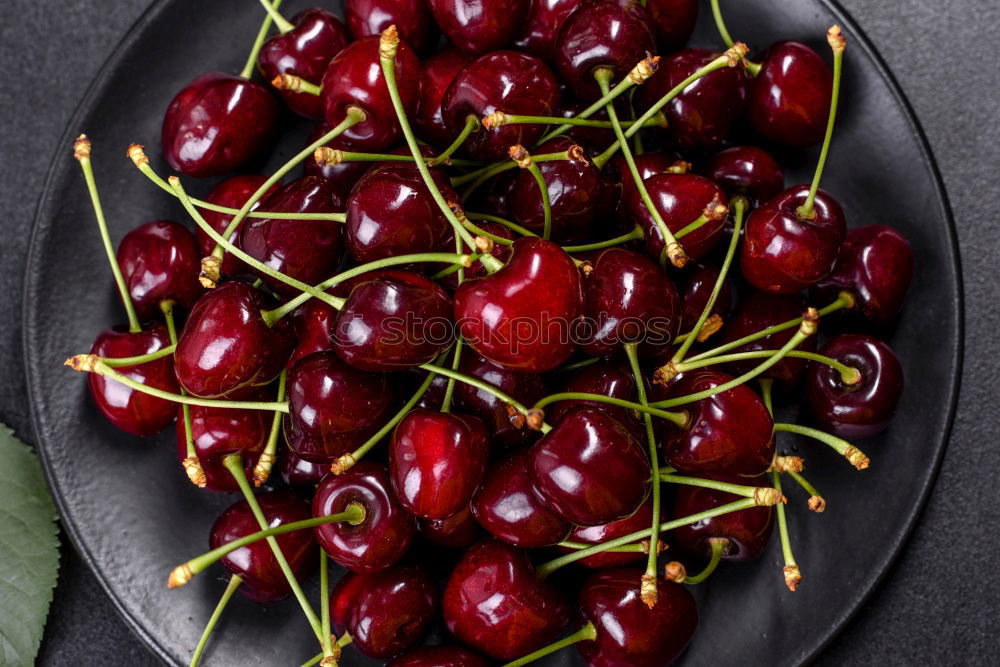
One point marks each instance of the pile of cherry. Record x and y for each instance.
(493, 331)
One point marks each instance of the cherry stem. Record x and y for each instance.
(345, 640)
(577, 365)
(480, 176)
(262, 470)
(766, 385)
(81, 151)
(513, 226)
(295, 84)
(522, 158)
(283, 24)
(471, 125)
(816, 502)
(119, 362)
(191, 464)
(723, 33)
(679, 418)
(792, 575)
(765, 495)
(856, 457)
(472, 227)
(634, 235)
(388, 45)
(625, 549)
(324, 605)
(718, 545)
(848, 375)
(331, 157)
(586, 633)
(234, 583)
(265, 27)
(499, 119)
(449, 390)
(837, 44)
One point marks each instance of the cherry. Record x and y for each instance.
(217, 123)
(704, 114)
(789, 98)
(494, 602)
(673, 21)
(382, 537)
(296, 471)
(648, 164)
(610, 34)
(606, 378)
(231, 193)
(640, 520)
(507, 81)
(627, 299)
(393, 319)
(305, 50)
(439, 71)
(343, 597)
(875, 265)
(392, 610)
(439, 656)
(457, 531)
(589, 469)
(538, 36)
(507, 506)
(506, 426)
(309, 251)
(629, 632)
(130, 410)
(863, 409)
(728, 433)
(333, 408)
(747, 171)
(478, 26)
(494, 195)
(520, 317)
(697, 291)
(314, 323)
(160, 262)
(412, 18)
(354, 79)
(436, 461)
(747, 531)
(226, 349)
(263, 580)
(219, 432)
(342, 176)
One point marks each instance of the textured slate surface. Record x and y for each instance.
(937, 603)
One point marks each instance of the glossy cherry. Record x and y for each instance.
(681, 199)
(673, 21)
(606, 378)
(160, 262)
(439, 71)
(219, 432)
(354, 78)
(648, 164)
(629, 632)
(412, 19)
(747, 171)
(521, 316)
(296, 471)
(875, 265)
(538, 36)
(784, 252)
(698, 289)
(507, 506)
(333, 408)
(217, 123)
(343, 597)
(478, 26)
(457, 531)
(231, 193)
(314, 323)
(589, 469)
(391, 610)
(384, 535)
(748, 531)
(506, 426)
(263, 580)
(507, 81)
(495, 603)
(304, 51)
(860, 410)
(226, 349)
(729, 433)
(641, 519)
(789, 99)
(439, 656)
(130, 410)
(342, 176)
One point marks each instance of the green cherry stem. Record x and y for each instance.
(837, 43)
(265, 27)
(679, 418)
(718, 546)
(766, 387)
(634, 235)
(283, 24)
(848, 375)
(268, 457)
(513, 226)
(499, 119)
(793, 577)
(854, 455)
(471, 125)
(191, 464)
(522, 158)
(637, 548)
(480, 176)
(577, 365)
(81, 151)
(720, 25)
(295, 84)
(586, 633)
(449, 390)
(816, 502)
(118, 362)
(331, 157)
(764, 495)
(324, 606)
(234, 583)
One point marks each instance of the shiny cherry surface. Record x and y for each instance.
(392, 610)
(538, 36)
(160, 262)
(314, 323)
(439, 656)
(478, 26)
(439, 71)
(457, 531)
(412, 19)
(697, 291)
(648, 165)
(296, 471)
(606, 378)
(673, 21)
(641, 519)
(231, 193)
(789, 99)
(748, 531)
(343, 597)
(747, 171)
(681, 199)
(506, 426)
(219, 432)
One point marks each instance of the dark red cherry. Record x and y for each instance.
(747, 171)
(263, 580)
(538, 36)
(439, 71)
(875, 265)
(628, 299)
(699, 288)
(304, 51)
(354, 78)
(641, 519)
(412, 19)
(729, 433)
(789, 99)
(589, 469)
(494, 195)
(342, 176)
(231, 193)
(333, 408)
(314, 323)
(782, 251)
(226, 348)
(507, 81)
(704, 114)
(748, 531)
(574, 188)
(436, 461)
(217, 124)
(761, 310)
(648, 164)
(384, 535)
(457, 531)
(130, 410)
(478, 26)
(343, 597)
(673, 21)
(611, 34)
(296, 471)
(507, 506)
(393, 320)
(495, 602)
(219, 432)
(606, 378)
(439, 656)
(521, 316)
(392, 610)
(860, 410)
(160, 262)
(506, 426)
(681, 199)
(629, 632)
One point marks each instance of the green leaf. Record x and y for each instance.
(29, 551)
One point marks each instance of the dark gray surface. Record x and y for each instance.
(938, 601)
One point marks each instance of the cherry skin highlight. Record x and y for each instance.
(606, 378)
(439, 71)
(789, 99)
(673, 22)
(538, 36)
(747, 171)
(160, 262)
(392, 610)
(748, 531)
(412, 18)
(478, 26)
(641, 519)
(457, 531)
(314, 323)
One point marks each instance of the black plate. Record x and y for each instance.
(133, 516)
